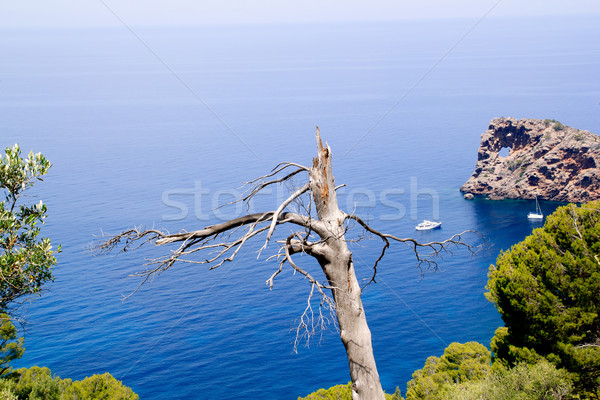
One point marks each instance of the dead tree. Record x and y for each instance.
(322, 238)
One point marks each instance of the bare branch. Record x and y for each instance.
(308, 323)
(436, 247)
(271, 279)
(258, 187)
(287, 248)
(214, 230)
(573, 215)
(277, 169)
(130, 236)
(581, 346)
(204, 240)
(162, 238)
(281, 207)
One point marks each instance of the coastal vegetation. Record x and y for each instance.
(344, 392)
(540, 381)
(26, 263)
(547, 290)
(556, 125)
(459, 363)
(11, 347)
(26, 260)
(38, 383)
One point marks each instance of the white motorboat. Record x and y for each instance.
(537, 214)
(427, 225)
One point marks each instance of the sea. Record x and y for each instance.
(157, 127)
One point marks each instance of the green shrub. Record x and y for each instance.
(514, 164)
(11, 347)
(103, 386)
(547, 290)
(338, 392)
(541, 381)
(459, 363)
(35, 383)
(343, 392)
(38, 383)
(7, 394)
(26, 260)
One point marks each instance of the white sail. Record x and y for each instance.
(537, 214)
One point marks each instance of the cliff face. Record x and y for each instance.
(546, 159)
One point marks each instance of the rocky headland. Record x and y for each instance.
(545, 159)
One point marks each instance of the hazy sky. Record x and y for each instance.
(42, 13)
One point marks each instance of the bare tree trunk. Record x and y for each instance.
(354, 331)
(339, 270)
(322, 239)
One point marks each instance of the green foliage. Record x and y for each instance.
(10, 349)
(38, 384)
(338, 392)
(397, 395)
(7, 394)
(25, 259)
(103, 386)
(34, 384)
(558, 126)
(514, 164)
(547, 289)
(459, 363)
(26, 263)
(541, 381)
(343, 392)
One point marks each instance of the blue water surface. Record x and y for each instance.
(159, 127)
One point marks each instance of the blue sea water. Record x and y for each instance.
(158, 126)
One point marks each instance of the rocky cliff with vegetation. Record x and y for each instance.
(541, 158)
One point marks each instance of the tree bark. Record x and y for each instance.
(223, 241)
(338, 267)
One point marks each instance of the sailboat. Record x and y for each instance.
(537, 214)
